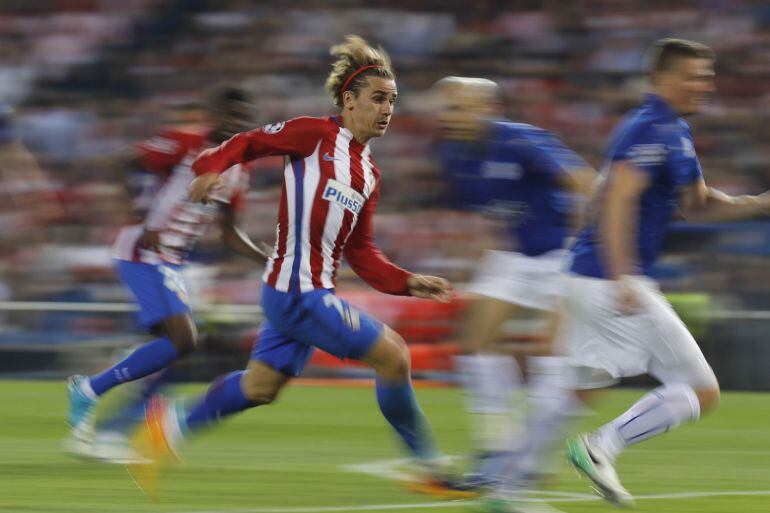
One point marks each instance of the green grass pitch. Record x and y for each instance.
(289, 458)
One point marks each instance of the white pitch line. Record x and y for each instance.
(324, 509)
(462, 503)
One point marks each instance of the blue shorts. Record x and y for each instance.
(296, 323)
(159, 290)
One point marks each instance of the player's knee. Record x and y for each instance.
(258, 389)
(399, 364)
(259, 394)
(708, 398)
(183, 334)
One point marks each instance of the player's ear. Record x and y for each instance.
(347, 100)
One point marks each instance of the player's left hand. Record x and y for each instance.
(202, 186)
(429, 287)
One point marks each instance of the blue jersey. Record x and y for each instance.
(513, 173)
(658, 142)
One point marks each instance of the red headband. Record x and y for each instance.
(353, 75)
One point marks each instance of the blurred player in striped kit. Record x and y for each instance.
(528, 182)
(149, 255)
(330, 191)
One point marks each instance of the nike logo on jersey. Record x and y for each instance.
(343, 195)
(328, 158)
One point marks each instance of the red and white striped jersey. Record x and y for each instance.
(330, 190)
(180, 222)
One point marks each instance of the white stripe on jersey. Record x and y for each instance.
(284, 276)
(335, 216)
(366, 165)
(167, 200)
(309, 187)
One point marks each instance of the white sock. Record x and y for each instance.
(491, 382)
(88, 391)
(552, 406)
(657, 412)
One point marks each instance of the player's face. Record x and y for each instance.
(692, 85)
(461, 111)
(373, 107)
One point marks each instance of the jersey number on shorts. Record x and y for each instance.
(350, 316)
(172, 280)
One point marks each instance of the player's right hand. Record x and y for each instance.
(201, 187)
(627, 297)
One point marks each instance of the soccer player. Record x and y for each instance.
(150, 255)
(618, 322)
(528, 181)
(330, 190)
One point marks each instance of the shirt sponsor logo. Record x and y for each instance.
(501, 170)
(343, 195)
(647, 154)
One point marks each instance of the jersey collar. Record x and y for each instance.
(659, 106)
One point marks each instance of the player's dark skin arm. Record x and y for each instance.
(238, 241)
(703, 203)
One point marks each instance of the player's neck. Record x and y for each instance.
(668, 98)
(349, 123)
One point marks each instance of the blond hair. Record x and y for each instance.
(351, 56)
(481, 86)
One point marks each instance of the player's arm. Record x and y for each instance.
(579, 182)
(619, 221)
(296, 138)
(570, 172)
(378, 271)
(703, 203)
(618, 226)
(237, 240)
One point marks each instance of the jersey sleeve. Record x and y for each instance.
(162, 152)
(296, 138)
(367, 260)
(546, 154)
(688, 160)
(643, 148)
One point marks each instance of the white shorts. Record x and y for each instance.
(605, 345)
(532, 282)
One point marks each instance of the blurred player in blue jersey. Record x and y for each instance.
(149, 255)
(617, 321)
(526, 179)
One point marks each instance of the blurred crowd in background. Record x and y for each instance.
(81, 81)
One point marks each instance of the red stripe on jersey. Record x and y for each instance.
(283, 224)
(357, 182)
(320, 211)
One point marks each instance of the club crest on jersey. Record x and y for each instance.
(343, 195)
(273, 128)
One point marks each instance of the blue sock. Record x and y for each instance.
(399, 406)
(224, 397)
(149, 358)
(130, 411)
